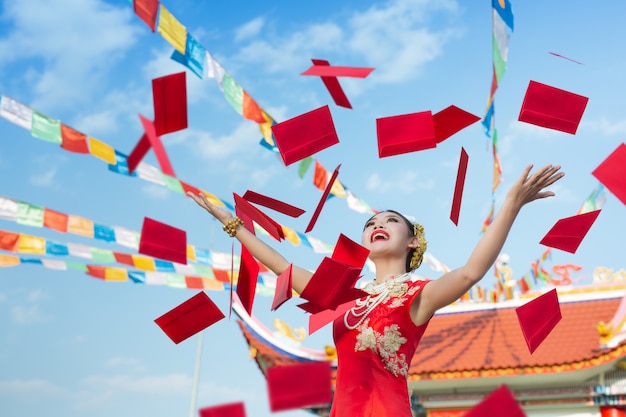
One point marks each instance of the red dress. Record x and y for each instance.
(374, 351)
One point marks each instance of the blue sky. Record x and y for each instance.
(72, 345)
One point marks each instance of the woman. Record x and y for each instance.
(377, 338)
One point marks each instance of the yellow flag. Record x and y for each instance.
(9, 260)
(291, 235)
(102, 150)
(191, 253)
(80, 226)
(115, 274)
(172, 30)
(144, 263)
(31, 244)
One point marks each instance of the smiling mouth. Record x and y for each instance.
(379, 235)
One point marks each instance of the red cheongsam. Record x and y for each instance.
(373, 357)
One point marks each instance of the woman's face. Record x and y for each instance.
(386, 231)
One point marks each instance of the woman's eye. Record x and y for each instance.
(393, 219)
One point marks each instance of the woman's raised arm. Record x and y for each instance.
(263, 252)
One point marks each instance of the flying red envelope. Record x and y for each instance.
(326, 70)
(322, 201)
(333, 86)
(263, 220)
(299, 386)
(147, 141)
(332, 284)
(322, 318)
(450, 121)
(552, 108)
(248, 277)
(163, 241)
(568, 233)
(283, 291)
(405, 133)
(189, 318)
(349, 252)
(305, 135)
(458, 188)
(612, 172)
(272, 203)
(538, 317)
(498, 403)
(169, 95)
(224, 410)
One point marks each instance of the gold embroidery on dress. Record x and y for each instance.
(387, 344)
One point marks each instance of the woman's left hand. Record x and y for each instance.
(529, 188)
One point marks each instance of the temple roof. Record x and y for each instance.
(477, 341)
(490, 342)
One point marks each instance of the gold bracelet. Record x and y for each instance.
(232, 225)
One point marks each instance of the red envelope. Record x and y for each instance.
(322, 70)
(612, 172)
(189, 318)
(405, 133)
(499, 403)
(302, 385)
(458, 188)
(283, 291)
(263, 220)
(552, 108)
(322, 201)
(333, 86)
(349, 252)
(224, 410)
(450, 121)
(321, 319)
(248, 277)
(331, 285)
(538, 317)
(568, 233)
(163, 241)
(169, 95)
(272, 203)
(146, 10)
(305, 135)
(147, 141)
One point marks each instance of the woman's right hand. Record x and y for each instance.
(219, 213)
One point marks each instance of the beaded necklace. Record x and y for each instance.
(377, 294)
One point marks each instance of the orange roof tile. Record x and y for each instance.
(492, 340)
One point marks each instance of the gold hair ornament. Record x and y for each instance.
(418, 252)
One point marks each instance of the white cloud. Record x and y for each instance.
(245, 135)
(64, 68)
(99, 390)
(26, 315)
(158, 192)
(395, 38)
(44, 179)
(250, 29)
(292, 53)
(605, 126)
(132, 364)
(33, 388)
(408, 181)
